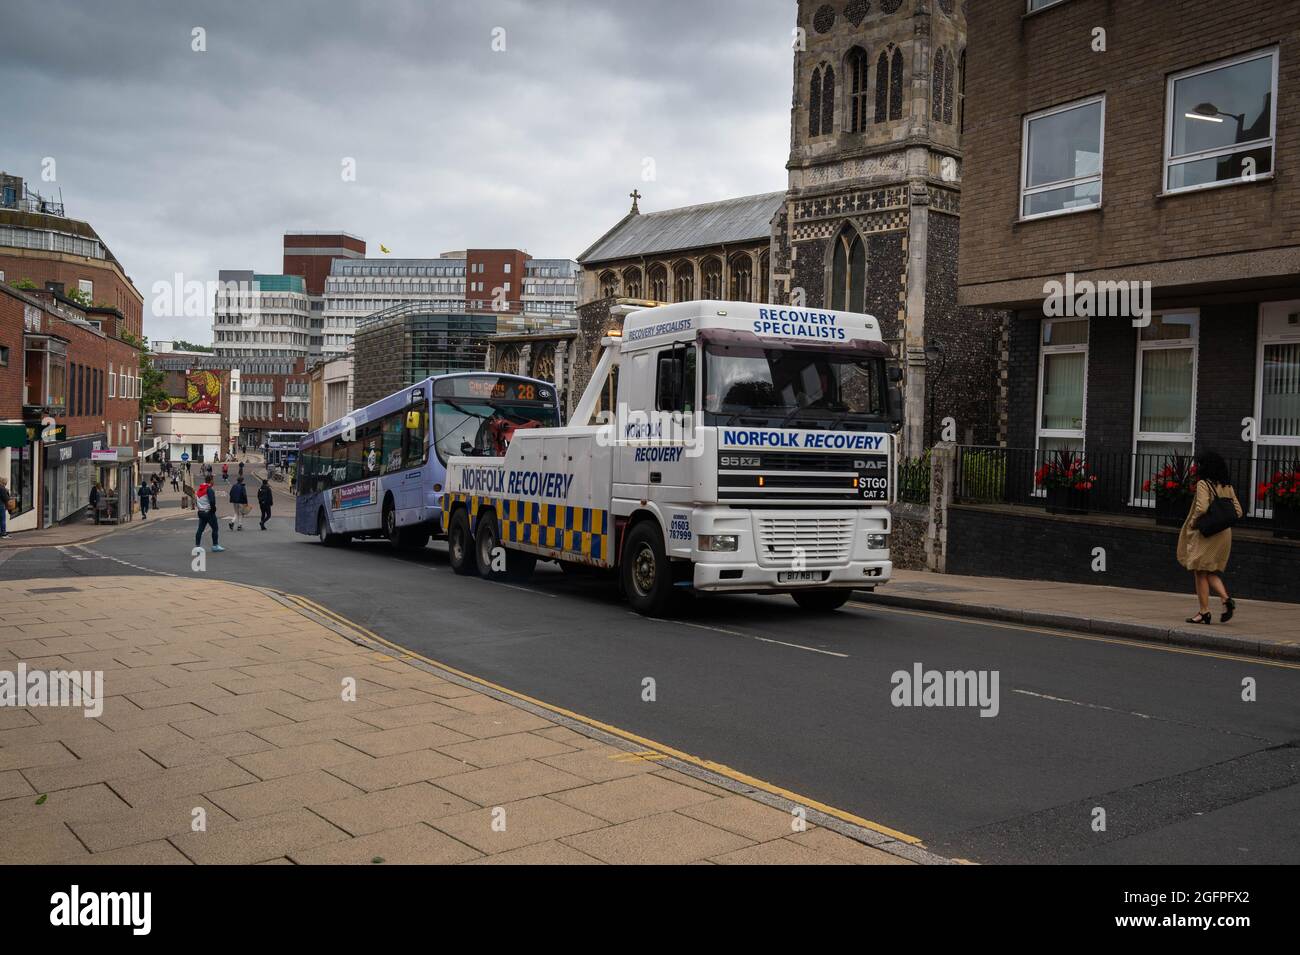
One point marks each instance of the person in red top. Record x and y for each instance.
(205, 504)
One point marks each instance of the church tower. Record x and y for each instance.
(871, 213)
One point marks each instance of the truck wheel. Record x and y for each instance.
(460, 545)
(518, 566)
(822, 601)
(646, 576)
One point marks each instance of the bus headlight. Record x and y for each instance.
(877, 542)
(718, 542)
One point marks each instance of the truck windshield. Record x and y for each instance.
(778, 382)
(477, 427)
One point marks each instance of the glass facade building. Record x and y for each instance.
(407, 343)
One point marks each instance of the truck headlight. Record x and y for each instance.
(718, 542)
(877, 542)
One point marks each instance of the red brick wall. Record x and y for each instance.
(493, 276)
(1018, 64)
(109, 286)
(86, 349)
(315, 268)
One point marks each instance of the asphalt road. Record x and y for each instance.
(1159, 739)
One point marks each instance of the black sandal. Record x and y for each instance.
(1206, 617)
(1229, 608)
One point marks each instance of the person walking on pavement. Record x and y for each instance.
(7, 503)
(205, 503)
(241, 469)
(239, 504)
(145, 497)
(1206, 554)
(94, 500)
(264, 499)
(225, 473)
(153, 492)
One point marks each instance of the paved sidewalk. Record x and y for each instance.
(1258, 627)
(225, 702)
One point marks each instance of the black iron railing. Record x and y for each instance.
(1120, 483)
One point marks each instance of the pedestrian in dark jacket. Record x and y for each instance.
(238, 504)
(145, 495)
(264, 501)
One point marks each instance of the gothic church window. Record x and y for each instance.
(815, 103)
(936, 87)
(849, 272)
(683, 282)
(658, 278)
(889, 84)
(859, 71)
(742, 279)
(608, 284)
(711, 278)
(632, 282)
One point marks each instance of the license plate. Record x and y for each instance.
(800, 576)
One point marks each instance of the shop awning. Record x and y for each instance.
(13, 435)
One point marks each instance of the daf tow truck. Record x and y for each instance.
(719, 447)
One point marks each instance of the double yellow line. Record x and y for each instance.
(652, 750)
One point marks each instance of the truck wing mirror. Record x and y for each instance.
(894, 395)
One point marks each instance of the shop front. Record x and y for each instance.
(18, 465)
(68, 478)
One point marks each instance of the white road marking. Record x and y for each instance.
(1091, 706)
(752, 636)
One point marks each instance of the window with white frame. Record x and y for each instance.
(1277, 398)
(1061, 157)
(1165, 397)
(1220, 122)
(1062, 385)
(112, 381)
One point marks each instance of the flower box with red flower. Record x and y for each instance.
(1174, 489)
(1065, 478)
(1281, 494)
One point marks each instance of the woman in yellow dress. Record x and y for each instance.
(1206, 557)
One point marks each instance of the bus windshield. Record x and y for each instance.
(775, 383)
(483, 427)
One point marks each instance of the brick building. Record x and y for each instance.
(41, 246)
(69, 385)
(1128, 195)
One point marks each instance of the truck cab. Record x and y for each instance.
(719, 447)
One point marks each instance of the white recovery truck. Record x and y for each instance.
(719, 447)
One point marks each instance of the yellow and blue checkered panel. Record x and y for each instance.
(582, 531)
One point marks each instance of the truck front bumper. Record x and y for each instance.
(739, 578)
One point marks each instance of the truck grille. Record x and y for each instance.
(818, 540)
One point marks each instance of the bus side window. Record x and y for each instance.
(394, 428)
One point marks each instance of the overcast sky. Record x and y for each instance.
(191, 162)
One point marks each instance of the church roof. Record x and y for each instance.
(744, 219)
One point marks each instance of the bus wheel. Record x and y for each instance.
(323, 531)
(822, 601)
(646, 575)
(391, 531)
(496, 562)
(460, 545)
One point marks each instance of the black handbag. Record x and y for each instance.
(1218, 517)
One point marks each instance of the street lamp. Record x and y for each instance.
(934, 354)
(1209, 113)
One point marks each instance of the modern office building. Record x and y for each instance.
(310, 254)
(403, 344)
(260, 316)
(522, 293)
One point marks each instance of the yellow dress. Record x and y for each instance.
(1195, 551)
